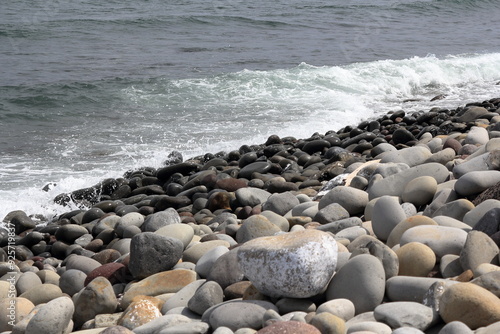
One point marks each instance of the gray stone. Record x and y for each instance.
(27, 281)
(369, 327)
(472, 113)
(70, 232)
(331, 213)
(71, 281)
(52, 318)
(420, 191)
(237, 314)
(479, 248)
(405, 314)
(251, 196)
(287, 305)
(206, 296)
(475, 182)
(151, 253)
(130, 219)
(159, 219)
(158, 324)
(455, 327)
(370, 245)
(261, 167)
(490, 281)
(451, 222)
(183, 232)
(254, 227)
(307, 209)
(472, 217)
(182, 297)
(361, 280)
(450, 266)
(187, 328)
(226, 269)
(479, 163)
(490, 222)
(476, 136)
(386, 214)
(456, 209)
(442, 157)
(441, 197)
(122, 246)
(412, 156)
(351, 199)
(352, 233)
(441, 239)
(194, 252)
(282, 266)
(277, 220)
(206, 262)
(280, 203)
(81, 263)
(339, 225)
(411, 289)
(98, 297)
(340, 307)
(395, 184)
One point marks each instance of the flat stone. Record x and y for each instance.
(351, 199)
(280, 203)
(395, 184)
(451, 222)
(479, 248)
(472, 113)
(237, 314)
(341, 307)
(254, 227)
(115, 330)
(442, 157)
(187, 328)
(411, 289)
(405, 314)
(415, 259)
(53, 317)
(455, 327)
(474, 306)
(420, 190)
(165, 282)
(152, 253)
(288, 327)
(331, 213)
(306, 209)
(114, 272)
(340, 225)
(251, 196)
(386, 214)
(441, 239)
(396, 233)
(361, 280)
(261, 167)
(475, 182)
(70, 232)
(287, 305)
(282, 265)
(98, 297)
(412, 156)
(159, 324)
(479, 163)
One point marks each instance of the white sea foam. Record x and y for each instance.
(223, 112)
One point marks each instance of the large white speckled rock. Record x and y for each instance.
(296, 264)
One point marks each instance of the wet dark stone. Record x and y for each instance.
(402, 136)
(315, 146)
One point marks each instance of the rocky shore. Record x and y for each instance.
(391, 226)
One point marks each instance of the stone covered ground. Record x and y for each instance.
(388, 227)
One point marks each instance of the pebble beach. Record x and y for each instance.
(388, 226)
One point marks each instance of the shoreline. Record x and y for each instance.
(400, 210)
